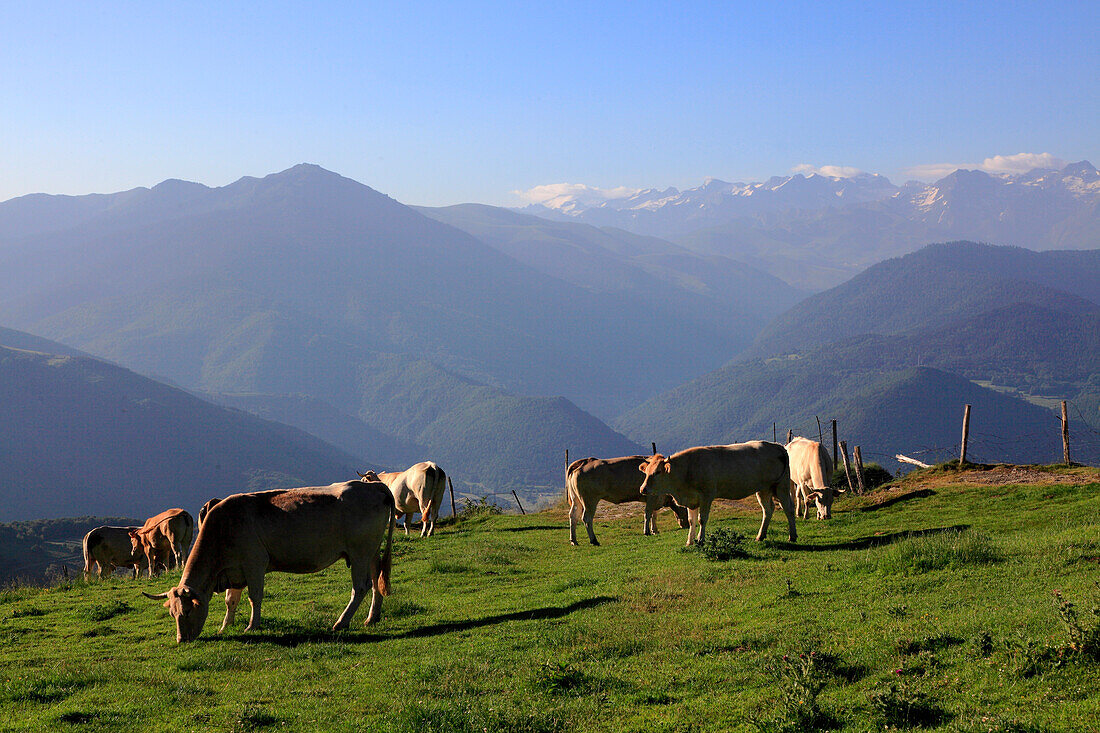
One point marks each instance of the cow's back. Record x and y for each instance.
(810, 463)
(112, 544)
(613, 479)
(733, 471)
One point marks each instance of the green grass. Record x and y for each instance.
(933, 606)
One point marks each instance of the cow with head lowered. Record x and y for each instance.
(697, 476)
(245, 536)
(811, 472)
(590, 480)
(107, 548)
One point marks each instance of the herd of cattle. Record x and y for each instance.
(245, 536)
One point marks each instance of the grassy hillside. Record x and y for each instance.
(80, 436)
(933, 599)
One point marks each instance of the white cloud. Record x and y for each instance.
(555, 195)
(1012, 164)
(832, 171)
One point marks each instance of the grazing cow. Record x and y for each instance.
(419, 488)
(206, 509)
(811, 470)
(164, 538)
(303, 530)
(589, 480)
(108, 548)
(232, 595)
(698, 476)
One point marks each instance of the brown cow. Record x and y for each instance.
(811, 471)
(419, 488)
(164, 538)
(589, 480)
(108, 548)
(698, 476)
(302, 530)
(206, 509)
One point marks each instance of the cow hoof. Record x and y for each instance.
(595, 543)
(573, 542)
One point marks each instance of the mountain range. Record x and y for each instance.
(816, 231)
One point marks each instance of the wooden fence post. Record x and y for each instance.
(965, 435)
(775, 436)
(654, 447)
(790, 435)
(1065, 433)
(566, 459)
(820, 435)
(835, 456)
(450, 484)
(847, 469)
(517, 502)
(858, 455)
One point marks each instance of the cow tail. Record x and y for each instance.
(87, 555)
(383, 579)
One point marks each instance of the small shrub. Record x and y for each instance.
(475, 508)
(899, 706)
(1083, 632)
(723, 544)
(253, 717)
(874, 476)
(983, 643)
(557, 678)
(800, 680)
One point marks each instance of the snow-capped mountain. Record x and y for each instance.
(816, 230)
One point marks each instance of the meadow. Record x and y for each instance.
(944, 601)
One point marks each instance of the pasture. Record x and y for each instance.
(931, 602)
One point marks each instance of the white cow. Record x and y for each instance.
(811, 471)
(419, 488)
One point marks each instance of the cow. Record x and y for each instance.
(697, 476)
(206, 509)
(164, 538)
(304, 530)
(419, 488)
(589, 480)
(108, 548)
(811, 471)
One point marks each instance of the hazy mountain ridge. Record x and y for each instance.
(80, 436)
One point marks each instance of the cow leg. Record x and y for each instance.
(768, 506)
(704, 515)
(589, 515)
(405, 522)
(785, 502)
(693, 524)
(360, 582)
(574, 511)
(425, 520)
(255, 598)
(232, 600)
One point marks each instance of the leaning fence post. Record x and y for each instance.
(858, 455)
(451, 484)
(517, 502)
(965, 435)
(834, 442)
(847, 470)
(820, 435)
(790, 436)
(1065, 433)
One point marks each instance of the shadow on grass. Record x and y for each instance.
(291, 634)
(918, 494)
(533, 528)
(864, 543)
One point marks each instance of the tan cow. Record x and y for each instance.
(302, 530)
(206, 509)
(164, 538)
(419, 488)
(811, 471)
(698, 476)
(107, 548)
(232, 595)
(589, 480)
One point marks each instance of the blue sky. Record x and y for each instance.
(443, 103)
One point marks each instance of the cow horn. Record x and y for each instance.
(156, 597)
(361, 475)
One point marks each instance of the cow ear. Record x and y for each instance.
(840, 491)
(195, 602)
(642, 467)
(668, 467)
(133, 533)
